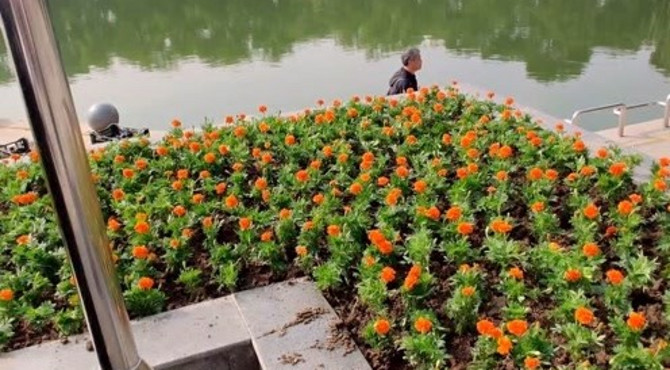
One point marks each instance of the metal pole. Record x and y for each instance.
(56, 130)
(622, 119)
(666, 117)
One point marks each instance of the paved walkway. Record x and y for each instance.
(650, 138)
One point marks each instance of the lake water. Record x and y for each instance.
(196, 59)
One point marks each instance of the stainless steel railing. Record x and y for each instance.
(621, 110)
(53, 119)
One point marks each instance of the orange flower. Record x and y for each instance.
(531, 363)
(625, 207)
(504, 345)
(327, 151)
(579, 146)
(505, 152)
(433, 213)
(245, 223)
(197, 198)
(240, 131)
(423, 325)
(636, 321)
(302, 176)
(485, 327)
(402, 172)
(617, 169)
(261, 183)
(119, 159)
(420, 186)
(179, 211)
(118, 194)
(343, 158)
(602, 153)
(221, 188)
(237, 166)
(161, 151)
(333, 230)
(537, 207)
(446, 139)
(500, 226)
(142, 227)
(194, 146)
(355, 188)
(209, 157)
(516, 273)
(301, 250)
(468, 291)
(614, 276)
(289, 140)
(263, 109)
(145, 283)
(315, 164)
(517, 327)
(207, 222)
(591, 250)
(6, 295)
(591, 211)
(551, 174)
(387, 275)
(177, 185)
(382, 327)
(182, 174)
(660, 185)
(23, 240)
(140, 252)
(501, 175)
(368, 261)
(584, 316)
(223, 149)
(635, 198)
(284, 214)
(454, 213)
(113, 225)
(535, 174)
(465, 228)
(412, 277)
(318, 198)
(128, 173)
(187, 233)
(385, 247)
(267, 236)
(231, 201)
(610, 231)
(176, 123)
(572, 275)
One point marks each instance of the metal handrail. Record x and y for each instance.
(621, 110)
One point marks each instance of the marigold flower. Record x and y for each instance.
(221, 188)
(402, 172)
(128, 173)
(635, 198)
(187, 233)
(355, 188)
(584, 316)
(537, 207)
(433, 213)
(535, 174)
(327, 151)
(617, 169)
(454, 213)
(485, 327)
(591, 211)
(23, 239)
(6, 295)
(517, 327)
(267, 236)
(194, 146)
(343, 158)
(385, 247)
(231, 201)
(591, 250)
(423, 325)
(113, 225)
(382, 327)
(118, 194)
(223, 149)
(145, 283)
(142, 227)
(239, 131)
(505, 152)
(446, 139)
(197, 198)
(302, 176)
(284, 214)
(387, 274)
(237, 166)
(420, 186)
(468, 291)
(119, 159)
(501, 175)
(315, 164)
(161, 151)
(301, 250)
(465, 228)
(516, 273)
(572, 275)
(179, 211)
(182, 174)
(289, 140)
(140, 252)
(501, 226)
(333, 230)
(504, 345)
(207, 222)
(209, 157)
(660, 185)
(636, 321)
(625, 207)
(551, 174)
(531, 363)
(245, 223)
(579, 146)
(614, 276)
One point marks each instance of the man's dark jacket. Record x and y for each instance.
(401, 81)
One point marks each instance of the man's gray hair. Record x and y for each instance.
(410, 55)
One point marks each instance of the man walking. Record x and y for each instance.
(405, 78)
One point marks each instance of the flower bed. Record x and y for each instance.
(445, 230)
